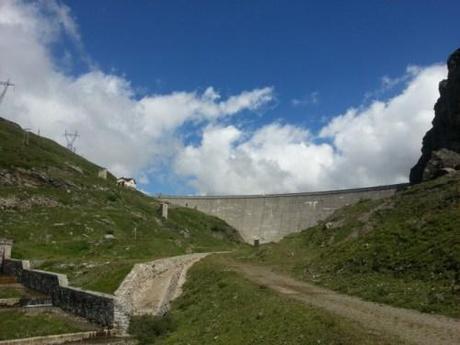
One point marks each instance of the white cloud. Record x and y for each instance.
(125, 134)
(365, 146)
(275, 158)
(312, 98)
(388, 84)
(379, 144)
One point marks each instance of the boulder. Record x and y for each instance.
(442, 162)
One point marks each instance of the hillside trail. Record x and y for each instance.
(410, 326)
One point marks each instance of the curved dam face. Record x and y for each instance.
(270, 217)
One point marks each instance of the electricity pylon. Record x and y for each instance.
(70, 138)
(6, 85)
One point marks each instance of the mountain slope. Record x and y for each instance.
(403, 250)
(63, 217)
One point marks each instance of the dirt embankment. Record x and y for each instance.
(150, 287)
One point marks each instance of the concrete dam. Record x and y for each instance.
(270, 217)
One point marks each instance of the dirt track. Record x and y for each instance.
(410, 326)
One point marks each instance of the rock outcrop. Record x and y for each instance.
(444, 136)
(442, 162)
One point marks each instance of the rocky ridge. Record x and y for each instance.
(441, 144)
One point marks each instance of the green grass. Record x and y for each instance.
(403, 251)
(71, 238)
(62, 223)
(108, 276)
(9, 292)
(17, 324)
(147, 328)
(219, 306)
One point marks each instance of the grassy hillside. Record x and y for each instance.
(403, 250)
(16, 324)
(220, 307)
(65, 218)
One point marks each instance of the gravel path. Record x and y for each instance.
(410, 326)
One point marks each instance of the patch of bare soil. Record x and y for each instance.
(410, 326)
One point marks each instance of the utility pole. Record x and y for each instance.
(71, 138)
(6, 84)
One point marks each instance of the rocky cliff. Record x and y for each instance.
(441, 144)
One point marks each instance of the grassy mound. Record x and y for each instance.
(403, 250)
(65, 218)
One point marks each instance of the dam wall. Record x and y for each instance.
(270, 217)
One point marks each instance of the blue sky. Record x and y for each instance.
(316, 61)
(340, 49)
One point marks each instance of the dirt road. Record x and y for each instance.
(410, 326)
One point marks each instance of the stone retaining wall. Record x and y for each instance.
(13, 267)
(94, 306)
(43, 281)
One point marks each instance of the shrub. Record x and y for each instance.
(147, 328)
(112, 197)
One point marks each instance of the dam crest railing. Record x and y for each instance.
(398, 186)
